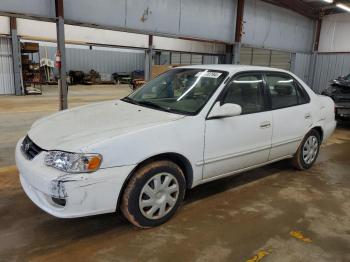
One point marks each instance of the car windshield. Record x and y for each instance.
(347, 77)
(182, 90)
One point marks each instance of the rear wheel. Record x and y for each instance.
(153, 194)
(308, 151)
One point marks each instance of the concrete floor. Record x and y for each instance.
(273, 213)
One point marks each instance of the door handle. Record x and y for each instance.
(265, 124)
(307, 116)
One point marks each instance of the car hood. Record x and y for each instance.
(74, 129)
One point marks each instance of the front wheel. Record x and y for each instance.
(308, 151)
(153, 194)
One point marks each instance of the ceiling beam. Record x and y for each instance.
(297, 6)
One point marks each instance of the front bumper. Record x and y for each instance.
(84, 194)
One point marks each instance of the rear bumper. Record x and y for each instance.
(85, 194)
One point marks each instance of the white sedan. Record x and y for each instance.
(188, 126)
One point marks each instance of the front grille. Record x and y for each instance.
(29, 149)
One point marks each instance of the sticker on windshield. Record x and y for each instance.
(208, 74)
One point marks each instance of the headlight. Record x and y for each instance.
(73, 162)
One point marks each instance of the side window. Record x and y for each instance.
(303, 97)
(246, 91)
(285, 92)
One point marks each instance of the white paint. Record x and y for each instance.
(126, 134)
(236, 142)
(36, 29)
(4, 25)
(173, 44)
(40, 30)
(46, 31)
(225, 110)
(335, 33)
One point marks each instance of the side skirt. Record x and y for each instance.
(242, 170)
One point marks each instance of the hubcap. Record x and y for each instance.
(310, 149)
(158, 196)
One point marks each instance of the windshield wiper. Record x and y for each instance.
(154, 105)
(130, 100)
(151, 104)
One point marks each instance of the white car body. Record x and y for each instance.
(126, 135)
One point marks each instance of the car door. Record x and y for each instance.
(242, 141)
(291, 113)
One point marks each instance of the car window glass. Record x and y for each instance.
(303, 98)
(246, 91)
(182, 90)
(283, 91)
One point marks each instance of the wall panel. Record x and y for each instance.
(328, 67)
(4, 25)
(204, 19)
(104, 61)
(208, 19)
(335, 33)
(301, 66)
(7, 86)
(273, 27)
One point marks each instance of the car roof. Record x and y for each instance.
(235, 68)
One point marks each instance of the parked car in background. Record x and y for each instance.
(186, 127)
(339, 91)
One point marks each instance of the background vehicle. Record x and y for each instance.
(339, 91)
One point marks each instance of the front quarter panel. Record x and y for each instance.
(184, 137)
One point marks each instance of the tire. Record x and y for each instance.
(153, 194)
(308, 150)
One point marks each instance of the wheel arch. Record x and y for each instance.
(320, 131)
(177, 158)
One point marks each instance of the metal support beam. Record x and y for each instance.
(229, 54)
(149, 59)
(292, 62)
(237, 53)
(239, 21)
(16, 56)
(317, 34)
(238, 32)
(62, 81)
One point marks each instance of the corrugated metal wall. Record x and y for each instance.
(210, 59)
(7, 86)
(273, 27)
(265, 57)
(301, 67)
(335, 33)
(104, 61)
(328, 67)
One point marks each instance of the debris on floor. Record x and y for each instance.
(299, 235)
(259, 256)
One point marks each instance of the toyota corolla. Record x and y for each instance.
(188, 126)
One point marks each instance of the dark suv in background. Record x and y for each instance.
(339, 91)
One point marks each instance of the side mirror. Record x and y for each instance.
(226, 110)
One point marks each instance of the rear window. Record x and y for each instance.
(285, 91)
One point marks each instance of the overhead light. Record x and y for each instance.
(344, 7)
(328, 1)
